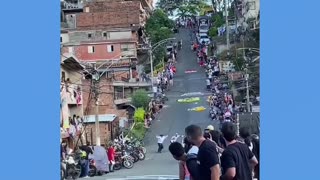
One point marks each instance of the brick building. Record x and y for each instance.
(101, 44)
(106, 35)
(71, 96)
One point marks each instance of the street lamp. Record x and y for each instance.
(151, 49)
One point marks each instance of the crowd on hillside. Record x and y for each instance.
(216, 154)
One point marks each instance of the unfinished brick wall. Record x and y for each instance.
(108, 20)
(113, 14)
(113, 6)
(105, 131)
(105, 97)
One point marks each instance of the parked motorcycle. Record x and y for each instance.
(62, 171)
(92, 168)
(72, 167)
(123, 159)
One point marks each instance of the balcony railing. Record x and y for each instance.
(131, 83)
(121, 98)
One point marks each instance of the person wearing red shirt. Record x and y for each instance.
(111, 154)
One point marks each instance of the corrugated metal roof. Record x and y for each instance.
(102, 118)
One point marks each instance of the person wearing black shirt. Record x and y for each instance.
(85, 161)
(237, 160)
(209, 167)
(185, 159)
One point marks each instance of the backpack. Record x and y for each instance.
(192, 165)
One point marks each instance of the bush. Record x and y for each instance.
(139, 115)
(138, 131)
(213, 31)
(140, 99)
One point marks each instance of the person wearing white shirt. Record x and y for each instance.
(174, 138)
(155, 91)
(210, 76)
(161, 138)
(208, 84)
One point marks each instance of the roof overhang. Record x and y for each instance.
(71, 62)
(101, 117)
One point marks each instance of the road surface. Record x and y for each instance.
(173, 118)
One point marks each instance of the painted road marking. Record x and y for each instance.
(192, 94)
(197, 109)
(190, 71)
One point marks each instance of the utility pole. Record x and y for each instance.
(227, 22)
(247, 85)
(96, 93)
(151, 62)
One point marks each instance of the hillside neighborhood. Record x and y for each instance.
(134, 72)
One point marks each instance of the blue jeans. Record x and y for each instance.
(85, 168)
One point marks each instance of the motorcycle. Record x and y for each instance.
(72, 168)
(92, 168)
(62, 171)
(139, 153)
(123, 159)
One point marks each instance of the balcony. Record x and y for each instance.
(121, 98)
(73, 92)
(131, 83)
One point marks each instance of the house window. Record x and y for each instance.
(124, 47)
(110, 48)
(61, 40)
(90, 49)
(89, 35)
(106, 34)
(127, 47)
(70, 49)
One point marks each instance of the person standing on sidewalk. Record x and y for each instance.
(237, 160)
(161, 138)
(111, 157)
(209, 167)
(86, 150)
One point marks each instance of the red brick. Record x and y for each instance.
(113, 14)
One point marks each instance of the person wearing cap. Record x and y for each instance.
(214, 136)
(210, 128)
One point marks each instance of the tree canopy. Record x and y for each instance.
(140, 99)
(158, 28)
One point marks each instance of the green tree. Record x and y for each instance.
(139, 115)
(213, 31)
(140, 99)
(218, 20)
(158, 28)
(138, 131)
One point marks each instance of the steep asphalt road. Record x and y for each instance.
(173, 118)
